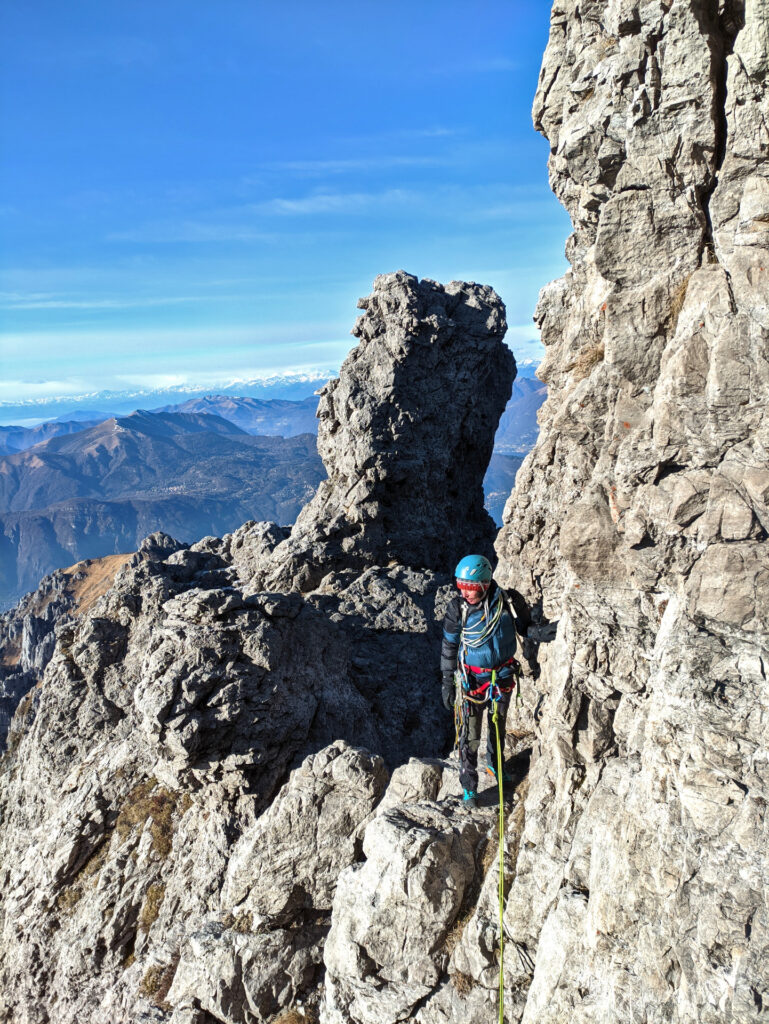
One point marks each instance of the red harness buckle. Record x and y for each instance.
(478, 671)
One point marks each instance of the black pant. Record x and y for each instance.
(470, 738)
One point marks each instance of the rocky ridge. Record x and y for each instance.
(635, 847)
(101, 490)
(189, 782)
(28, 631)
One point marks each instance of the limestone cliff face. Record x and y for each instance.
(188, 834)
(27, 631)
(641, 518)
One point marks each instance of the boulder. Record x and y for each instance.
(391, 916)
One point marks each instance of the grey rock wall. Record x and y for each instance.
(190, 830)
(641, 522)
(28, 631)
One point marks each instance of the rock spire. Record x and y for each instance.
(406, 433)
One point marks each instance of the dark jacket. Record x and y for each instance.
(501, 644)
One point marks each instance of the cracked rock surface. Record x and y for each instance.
(191, 830)
(188, 780)
(640, 520)
(28, 630)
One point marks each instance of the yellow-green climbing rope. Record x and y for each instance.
(458, 710)
(501, 884)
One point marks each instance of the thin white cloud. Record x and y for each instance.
(521, 334)
(385, 139)
(257, 222)
(207, 379)
(437, 132)
(63, 303)
(131, 341)
(312, 168)
(495, 201)
(23, 390)
(77, 388)
(482, 66)
(192, 231)
(522, 209)
(230, 226)
(334, 202)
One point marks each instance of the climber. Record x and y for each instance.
(481, 655)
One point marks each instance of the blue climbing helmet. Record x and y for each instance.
(473, 578)
(473, 569)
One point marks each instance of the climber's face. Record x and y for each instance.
(473, 593)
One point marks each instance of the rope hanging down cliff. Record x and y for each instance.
(480, 666)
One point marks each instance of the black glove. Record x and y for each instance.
(448, 692)
(543, 633)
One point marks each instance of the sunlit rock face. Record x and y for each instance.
(640, 521)
(187, 781)
(406, 433)
(190, 830)
(27, 631)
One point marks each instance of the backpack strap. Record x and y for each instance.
(511, 611)
(518, 645)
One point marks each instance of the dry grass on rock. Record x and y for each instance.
(243, 923)
(68, 898)
(677, 301)
(451, 941)
(588, 357)
(296, 1017)
(153, 901)
(157, 981)
(94, 578)
(149, 802)
(463, 983)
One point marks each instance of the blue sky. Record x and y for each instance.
(196, 191)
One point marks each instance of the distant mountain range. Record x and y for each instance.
(101, 490)
(499, 482)
(255, 415)
(139, 455)
(517, 430)
(99, 405)
(291, 386)
(75, 488)
(516, 434)
(17, 439)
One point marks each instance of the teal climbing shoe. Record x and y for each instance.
(506, 776)
(470, 798)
